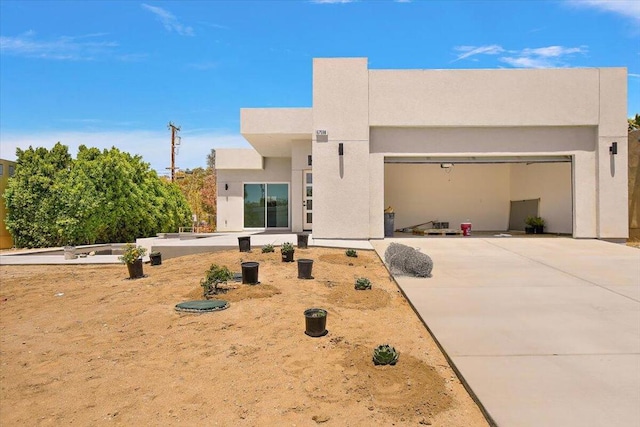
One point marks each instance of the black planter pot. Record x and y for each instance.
(538, 229)
(156, 259)
(244, 243)
(315, 322)
(529, 230)
(250, 273)
(303, 239)
(287, 256)
(304, 268)
(135, 269)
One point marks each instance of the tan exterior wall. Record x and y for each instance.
(634, 185)
(341, 184)
(551, 183)
(462, 98)
(6, 241)
(231, 200)
(238, 159)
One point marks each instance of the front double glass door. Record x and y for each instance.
(266, 205)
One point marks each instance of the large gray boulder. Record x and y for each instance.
(408, 261)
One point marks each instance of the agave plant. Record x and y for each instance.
(362, 284)
(385, 355)
(351, 253)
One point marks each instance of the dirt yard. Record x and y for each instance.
(85, 345)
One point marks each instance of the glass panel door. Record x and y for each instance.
(266, 205)
(278, 205)
(254, 204)
(307, 199)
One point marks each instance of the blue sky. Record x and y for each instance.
(105, 73)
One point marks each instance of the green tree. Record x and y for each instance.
(634, 122)
(107, 196)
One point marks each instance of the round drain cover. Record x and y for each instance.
(202, 306)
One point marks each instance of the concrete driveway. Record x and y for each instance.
(546, 331)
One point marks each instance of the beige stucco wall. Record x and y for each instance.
(341, 185)
(634, 185)
(230, 212)
(551, 183)
(461, 98)
(238, 159)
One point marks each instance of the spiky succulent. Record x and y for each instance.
(363, 284)
(351, 253)
(286, 248)
(267, 248)
(385, 355)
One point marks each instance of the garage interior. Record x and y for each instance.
(487, 192)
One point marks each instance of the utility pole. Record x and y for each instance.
(174, 132)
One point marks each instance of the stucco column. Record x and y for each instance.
(341, 182)
(613, 207)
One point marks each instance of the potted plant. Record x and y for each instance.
(132, 256)
(315, 322)
(214, 276)
(287, 252)
(536, 223)
(268, 248)
(156, 258)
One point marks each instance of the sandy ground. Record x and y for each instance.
(85, 345)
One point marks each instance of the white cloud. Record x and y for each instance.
(169, 20)
(154, 147)
(468, 51)
(84, 47)
(634, 75)
(626, 8)
(541, 57)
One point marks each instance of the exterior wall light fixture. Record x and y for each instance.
(446, 165)
(614, 148)
(340, 149)
(226, 187)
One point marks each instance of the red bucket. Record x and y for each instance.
(466, 228)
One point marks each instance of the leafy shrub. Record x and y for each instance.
(268, 248)
(286, 248)
(214, 276)
(351, 253)
(132, 253)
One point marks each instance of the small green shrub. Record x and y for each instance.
(132, 253)
(363, 284)
(268, 248)
(534, 221)
(286, 248)
(351, 253)
(214, 276)
(385, 355)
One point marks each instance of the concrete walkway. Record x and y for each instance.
(546, 332)
(173, 247)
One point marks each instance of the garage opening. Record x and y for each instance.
(483, 191)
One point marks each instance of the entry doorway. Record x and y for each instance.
(307, 199)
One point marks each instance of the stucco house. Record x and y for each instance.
(484, 146)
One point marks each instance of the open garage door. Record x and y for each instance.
(479, 190)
